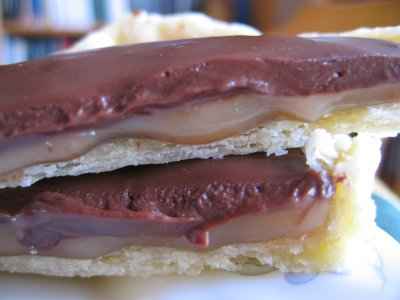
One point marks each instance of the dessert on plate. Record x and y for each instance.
(239, 153)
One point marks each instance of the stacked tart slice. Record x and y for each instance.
(234, 153)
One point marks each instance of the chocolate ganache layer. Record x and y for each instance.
(89, 88)
(195, 204)
(185, 92)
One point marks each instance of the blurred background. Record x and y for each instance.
(34, 28)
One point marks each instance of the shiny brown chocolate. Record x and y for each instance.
(185, 199)
(90, 88)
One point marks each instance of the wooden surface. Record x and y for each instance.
(291, 17)
(382, 189)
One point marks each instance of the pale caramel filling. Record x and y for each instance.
(284, 222)
(198, 122)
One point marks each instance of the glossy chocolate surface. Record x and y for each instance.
(91, 88)
(185, 199)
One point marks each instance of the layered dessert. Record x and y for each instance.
(235, 153)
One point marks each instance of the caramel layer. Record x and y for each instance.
(192, 123)
(198, 204)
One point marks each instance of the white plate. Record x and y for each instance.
(375, 277)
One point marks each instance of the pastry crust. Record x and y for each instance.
(273, 138)
(351, 216)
